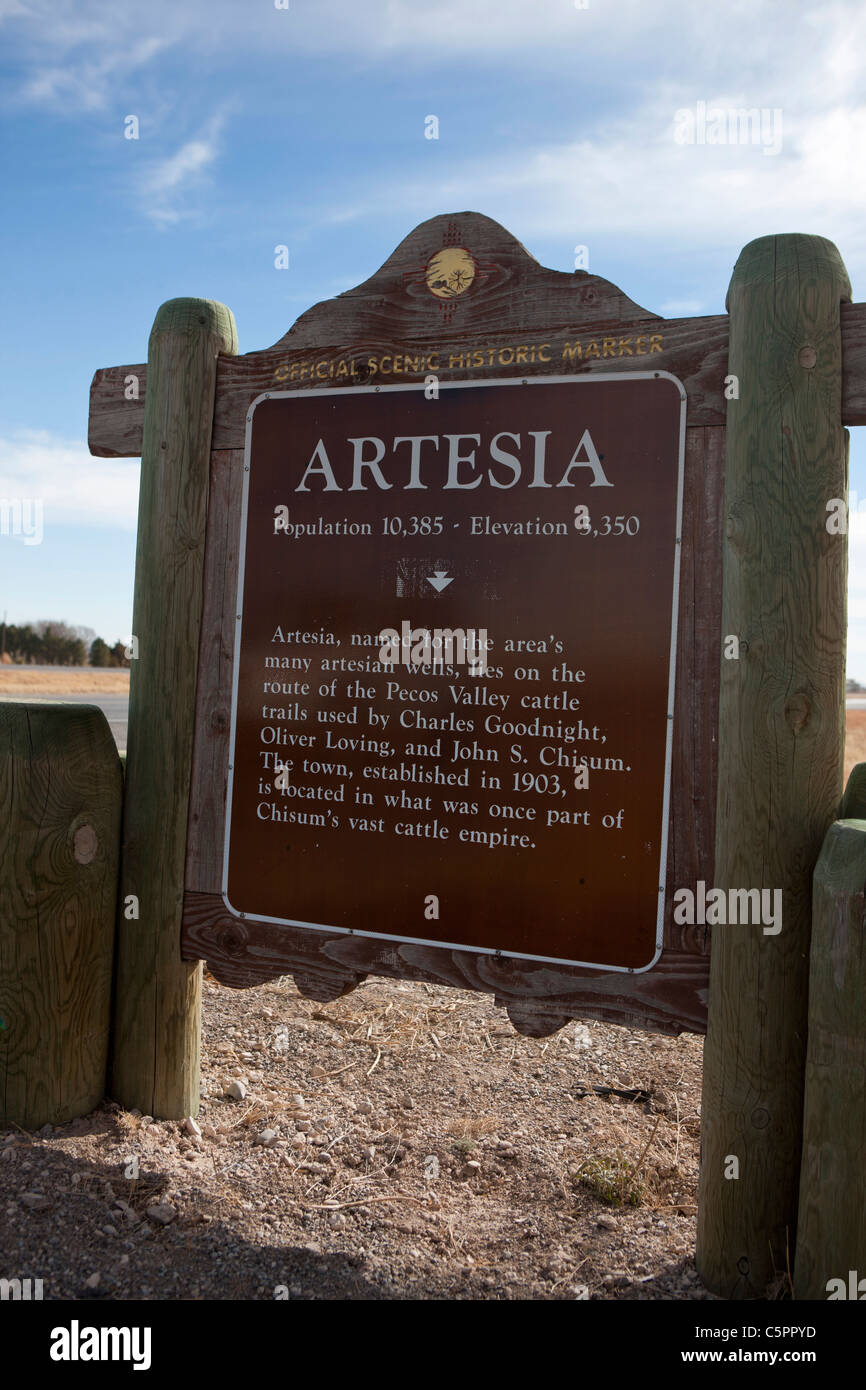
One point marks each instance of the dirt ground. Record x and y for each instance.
(401, 1143)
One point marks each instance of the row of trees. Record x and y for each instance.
(58, 644)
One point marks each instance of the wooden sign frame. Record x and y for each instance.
(513, 314)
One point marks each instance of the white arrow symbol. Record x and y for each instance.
(441, 580)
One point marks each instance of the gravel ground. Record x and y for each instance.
(401, 1143)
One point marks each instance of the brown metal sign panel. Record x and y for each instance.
(454, 665)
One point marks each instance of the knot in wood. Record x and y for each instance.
(232, 938)
(85, 843)
(807, 357)
(798, 711)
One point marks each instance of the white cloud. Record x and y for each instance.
(629, 179)
(680, 308)
(754, 38)
(88, 85)
(74, 489)
(166, 184)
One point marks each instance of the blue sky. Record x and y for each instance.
(304, 126)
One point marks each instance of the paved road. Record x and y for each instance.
(114, 707)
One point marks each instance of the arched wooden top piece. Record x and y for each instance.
(462, 270)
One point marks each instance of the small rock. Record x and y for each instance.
(93, 1281)
(192, 1126)
(236, 1090)
(473, 1165)
(34, 1200)
(607, 1223)
(209, 1132)
(337, 1221)
(364, 1107)
(299, 1102)
(267, 1138)
(368, 1151)
(298, 1141)
(161, 1213)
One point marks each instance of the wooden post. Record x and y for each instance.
(781, 738)
(61, 790)
(157, 1025)
(831, 1233)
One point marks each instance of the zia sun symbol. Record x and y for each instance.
(450, 272)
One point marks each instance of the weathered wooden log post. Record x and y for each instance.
(157, 1024)
(781, 737)
(61, 789)
(831, 1232)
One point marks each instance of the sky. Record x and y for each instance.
(302, 123)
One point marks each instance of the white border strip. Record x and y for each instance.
(585, 380)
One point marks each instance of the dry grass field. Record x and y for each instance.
(64, 680)
(855, 739)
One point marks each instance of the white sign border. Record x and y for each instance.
(583, 380)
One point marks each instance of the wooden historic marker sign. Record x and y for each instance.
(460, 300)
(494, 774)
